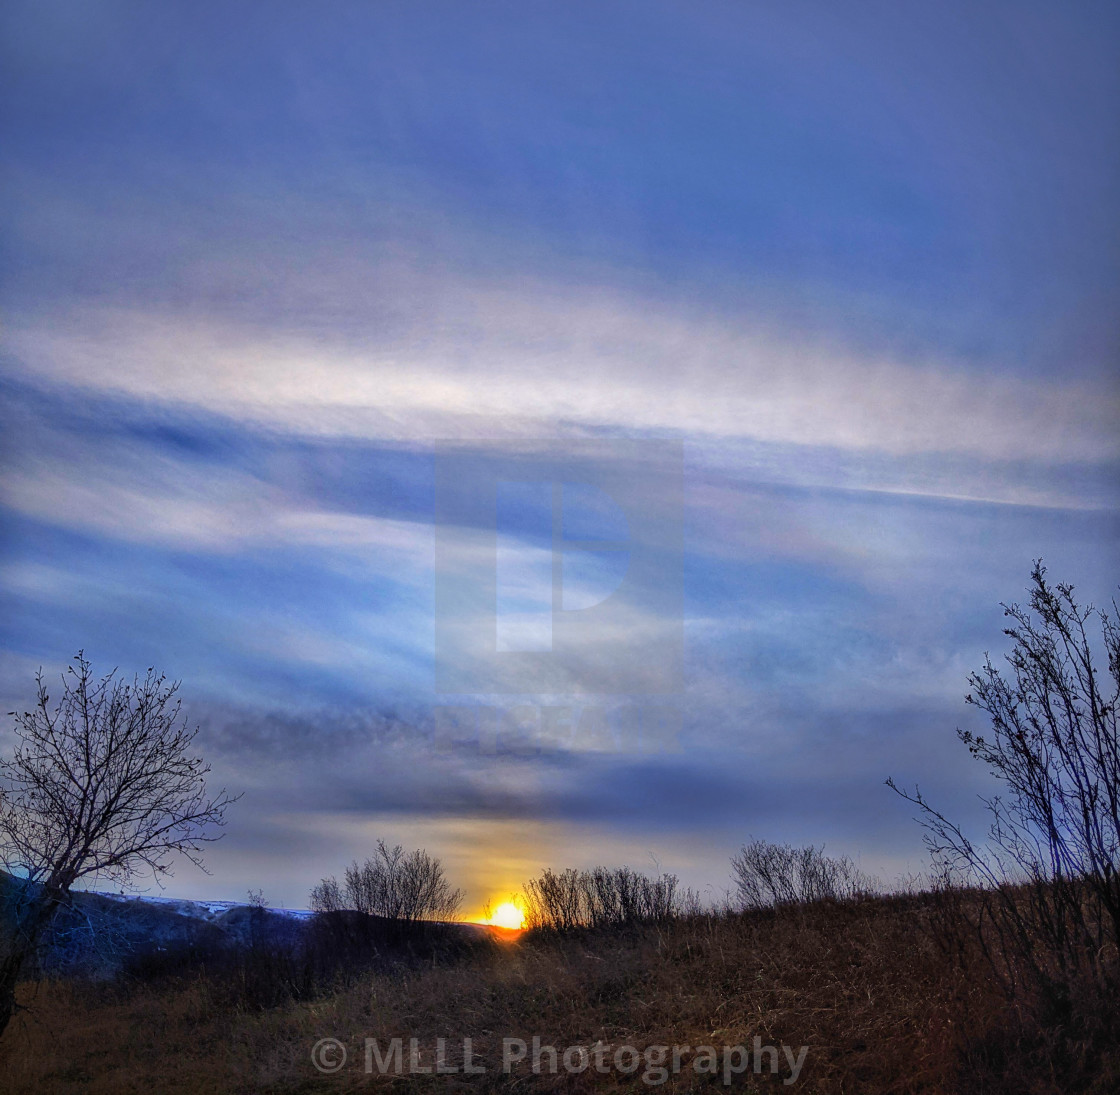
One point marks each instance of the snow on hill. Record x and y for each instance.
(209, 911)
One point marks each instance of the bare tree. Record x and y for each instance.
(1051, 869)
(105, 784)
(392, 883)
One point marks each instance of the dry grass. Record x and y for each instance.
(880, 1004)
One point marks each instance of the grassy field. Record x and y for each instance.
(881, 994)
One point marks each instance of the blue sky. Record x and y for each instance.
(858, 261)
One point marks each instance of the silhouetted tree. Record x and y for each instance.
(1051, 868)
(105, 784)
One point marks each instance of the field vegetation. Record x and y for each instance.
(889, 993)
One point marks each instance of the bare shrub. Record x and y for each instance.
(394, 884)
(767, 874)
(601, 897)
(327, 897)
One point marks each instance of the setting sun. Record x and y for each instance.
(507, 915)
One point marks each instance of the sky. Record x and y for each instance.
(674, 390)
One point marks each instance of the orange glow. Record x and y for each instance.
(507, 915)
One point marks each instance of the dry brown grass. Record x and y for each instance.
(881, 1006)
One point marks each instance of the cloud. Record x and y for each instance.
(506, 361)
(136, 492)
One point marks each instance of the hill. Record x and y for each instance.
(884, 994)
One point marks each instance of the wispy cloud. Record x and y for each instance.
(521, 359)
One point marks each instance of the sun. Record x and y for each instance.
(507, 915)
